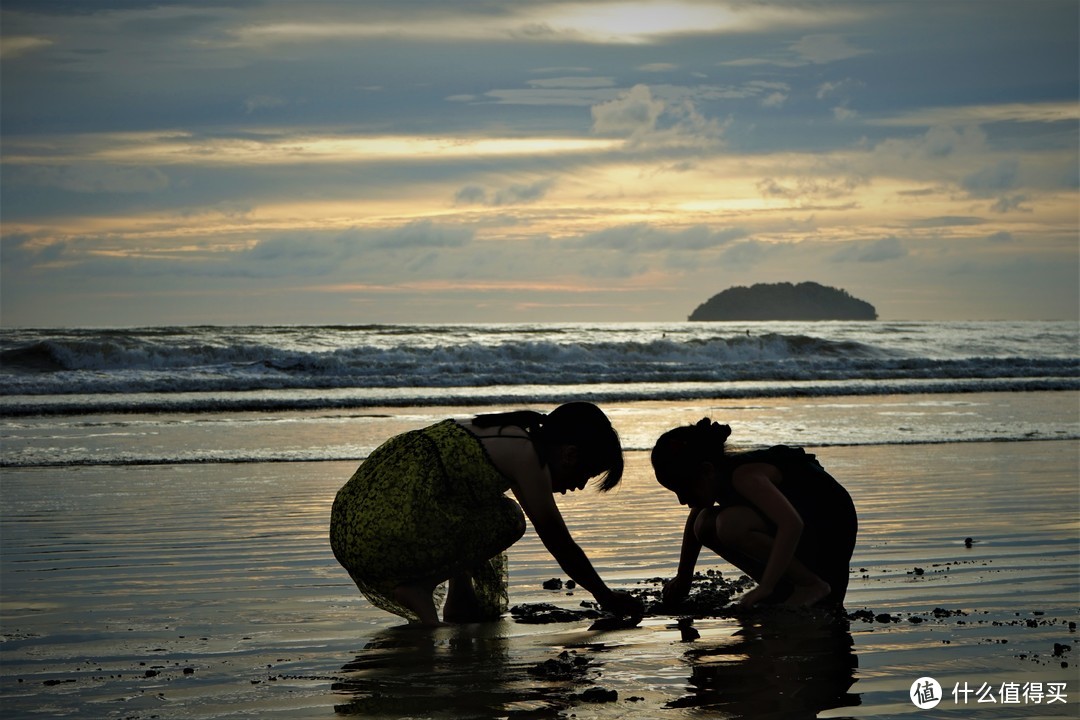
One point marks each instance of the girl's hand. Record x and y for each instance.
(624, 604)
(675, 590)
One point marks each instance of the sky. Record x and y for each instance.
(421, 161)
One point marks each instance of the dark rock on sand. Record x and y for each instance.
(710, 596)
(567, 666)
(542, 613)
(598, 695)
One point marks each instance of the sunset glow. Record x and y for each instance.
(654, 151)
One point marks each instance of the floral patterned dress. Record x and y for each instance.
(427, 504)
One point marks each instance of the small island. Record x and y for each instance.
(783, 301)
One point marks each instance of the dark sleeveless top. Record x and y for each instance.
(811, 490)
(830, 524)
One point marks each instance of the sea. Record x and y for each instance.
(165, 497)
(102, 396)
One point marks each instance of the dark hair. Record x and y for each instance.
(680, 451)
(581, 424)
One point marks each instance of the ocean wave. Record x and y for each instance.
(292, 399)
(117, 353)
(119, 365)
(209, 368)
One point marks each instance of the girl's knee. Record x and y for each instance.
(719, 528)
(705, 526)
(736, 522)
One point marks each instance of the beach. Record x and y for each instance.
(208, 589)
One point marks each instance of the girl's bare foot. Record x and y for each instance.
(462, 605)
(808, 595)
(418, 598)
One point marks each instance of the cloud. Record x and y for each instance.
(425, 234)
(831, 89)
(844, 113)
(95, 178)
(618, 22)
(616, 99)
(471, 195)
(634, 113)
(943, 141)
(573, 82)
(814, 49)
(941, 155)
(355, 252)
(947, 221)
(653, 136)
(747, 254)
(516, 194)
(997, 180)
(994, 179)
(962, 115)
(821, 49)
(1011, 203)
(642, 237)
(21, 251)
(876, 251)
(774, 94)
(774, 100)
(263, 102)
(278, 147)
(12, 47)
(810, 188)
(636, 116)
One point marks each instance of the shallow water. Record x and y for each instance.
(200, 591)
(252, 437)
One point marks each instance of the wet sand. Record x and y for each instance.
(203, 591)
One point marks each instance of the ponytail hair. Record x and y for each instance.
(679, 452)
(581, 424)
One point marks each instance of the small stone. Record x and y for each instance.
(599, 695)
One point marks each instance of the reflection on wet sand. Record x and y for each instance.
(460, 672)
(779, 665)
(785, 665)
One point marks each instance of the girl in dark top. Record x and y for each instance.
(773, 513)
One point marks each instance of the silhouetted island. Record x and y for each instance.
(784, 301)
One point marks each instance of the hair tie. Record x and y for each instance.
(714, 431)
